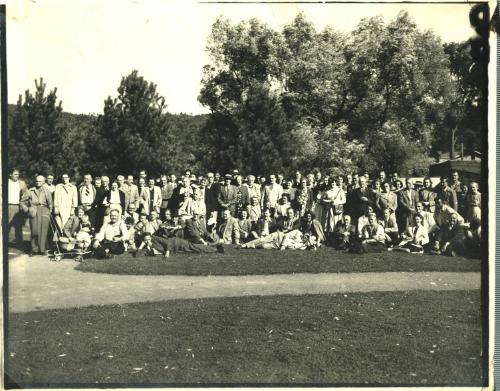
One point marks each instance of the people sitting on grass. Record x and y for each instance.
(153, 223)
(390, 225)
(450, 239)
(344, 234)
(443, 213)
(363, 220)
(196, 232)
(427, 218)
(77, 232)
(372, 239)
(234, 209)
(228, 230)
(245, 226)
(112, 238)
(266, 233)
(415, 237)
(152, 245)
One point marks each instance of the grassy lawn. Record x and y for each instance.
(413, 338)
(245, 262)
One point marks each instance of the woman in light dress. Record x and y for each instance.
(334, 199)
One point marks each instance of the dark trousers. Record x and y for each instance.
(175, 244)
(99, 217)
(115, 248)
(16, 221)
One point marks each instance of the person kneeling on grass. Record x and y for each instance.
(415, 237)
(450, 240)
(372, 238)
(112, 238)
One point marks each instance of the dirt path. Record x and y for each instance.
(37, 284)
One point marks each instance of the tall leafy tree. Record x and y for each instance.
(135, 133)
(35, 136)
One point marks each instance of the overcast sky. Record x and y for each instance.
(84, 47)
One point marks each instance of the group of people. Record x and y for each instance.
(166, 214)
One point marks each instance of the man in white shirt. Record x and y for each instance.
(271, 193)
(111, 239)
(16, 189)
(49, 184)
(86, 193)
(65, 201)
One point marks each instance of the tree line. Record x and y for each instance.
(385, 96)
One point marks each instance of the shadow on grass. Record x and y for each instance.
(411, 338)
(255, 262)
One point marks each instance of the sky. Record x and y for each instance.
(85, 47)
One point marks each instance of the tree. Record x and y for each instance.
(382, 78)
(135, 133)
(35, 137)
(463, 117)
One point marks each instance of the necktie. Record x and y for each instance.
(87, 191)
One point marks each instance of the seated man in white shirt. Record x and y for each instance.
(111, 239)
(372, 238)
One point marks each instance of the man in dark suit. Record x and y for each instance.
(211, 192)
(98, 204)
(226, 196)
(115, 198)
(446, 193)
(360, 198)
(407, 203)
(195, 231)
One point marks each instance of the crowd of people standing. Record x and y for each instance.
(190, 213)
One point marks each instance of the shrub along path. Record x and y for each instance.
(37, 284)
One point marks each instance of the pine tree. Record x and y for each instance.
(35, 138)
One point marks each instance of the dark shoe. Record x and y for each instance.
(31, 254)
(220, 248)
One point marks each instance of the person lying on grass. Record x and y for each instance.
(153, 245)
(415, 237)
(308, 235)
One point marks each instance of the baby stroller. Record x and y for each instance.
(77, 248)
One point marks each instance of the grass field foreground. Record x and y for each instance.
(413, 338)
(251, 262)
